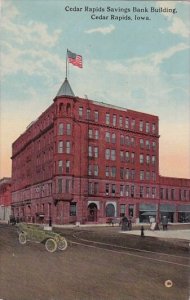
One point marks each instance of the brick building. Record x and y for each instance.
(85, 161)
(5, 199)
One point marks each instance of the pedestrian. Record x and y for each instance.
(124, 224)
(165, 223)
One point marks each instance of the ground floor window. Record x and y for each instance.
(110, 210)
(73, 209)
(122, 210)
(184, 217)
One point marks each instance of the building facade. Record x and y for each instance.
(5, 199)
(85, 161)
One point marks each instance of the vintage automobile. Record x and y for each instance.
(50, 239)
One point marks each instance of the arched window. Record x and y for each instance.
(110, 210)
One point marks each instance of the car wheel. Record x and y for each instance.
(62, 244)
(51, 245)
(22, 238)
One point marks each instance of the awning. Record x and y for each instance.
(183, 208)
(147, 207)
(149, 213)
(167, 208)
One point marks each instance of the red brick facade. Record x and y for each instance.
(86, 161)
(5, 198)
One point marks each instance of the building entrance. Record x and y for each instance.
(92, 212)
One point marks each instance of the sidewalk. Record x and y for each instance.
(173, 234)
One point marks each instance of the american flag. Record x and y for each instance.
(74, 59)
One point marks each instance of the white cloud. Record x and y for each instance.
(103, 30)
(179, 27)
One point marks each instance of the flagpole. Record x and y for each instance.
(66, 63)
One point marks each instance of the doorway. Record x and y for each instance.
(92, 212)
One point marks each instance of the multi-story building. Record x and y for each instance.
(84, 161)
(5, 199)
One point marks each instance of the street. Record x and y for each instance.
(109, 267)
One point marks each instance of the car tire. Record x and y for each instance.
(51, 245)
(22, 238)
(62, 244)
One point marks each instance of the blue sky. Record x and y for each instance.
(141, 65)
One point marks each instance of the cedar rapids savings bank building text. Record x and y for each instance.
(119, 13)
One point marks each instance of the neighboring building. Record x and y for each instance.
(5, 199)
(85, 161)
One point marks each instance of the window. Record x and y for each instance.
(141, 175)
(90, 151)
(91, 188)
(132, 157)
(133, 124)
(121, 139)
(127, 123)
(153, 176)
(68, 147)
(96, 134)
(127, 140)
(132, 191)
(132, 141)
(141, 143)
(133, 174)
(113, 189)
(147, 175)
(89, 170)
(113, 172)
(153, 192)
(67, 185)
(113, 138)
(167, 194)
(96, 152)
(121, 121)
(127, 190)
(141, 126)
(107, 118)
(148, 159)
(127, 156)
(68, 129)
(122, 173)
(153, 160)
(90, 133)
(154, 146)
(60, 147)
(141, 159)
(141, 191)
(127, 174)
(147, 192)
(67, 166)
(112, 154)
(121, 190)
(88, 112)
(147, 145)
(173, 194)
(95, 188)
(107, 188)
(107, 171)
(107, 154)
(122, 209)
(121, 156)
(60, 166)
(147, 127)
(73, 209)
(114, 120)
(60, 129)
(95, 170)
(107, 136)
(60, 181)
(161, 193)
(96, 116)
(80, 112)
(153, 128)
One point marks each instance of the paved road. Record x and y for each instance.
(88, 271)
